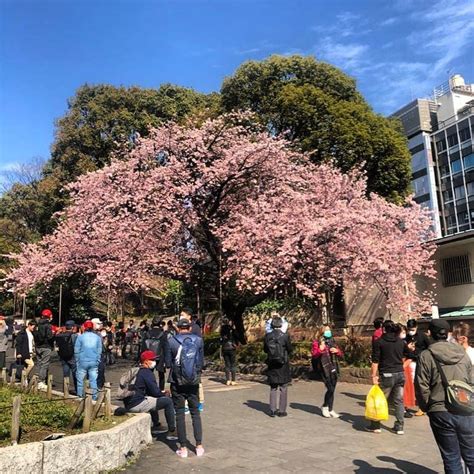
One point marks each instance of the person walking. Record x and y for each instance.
(229, 343)
(87, 351)
(277, 346)
(155, 340)
(185, 356)
(387, 359)
(44, 344)
(25, 346)
(148, 398)
(3, 343)
(65, 342)
(417, 341)
(453, 432)
(325, 353)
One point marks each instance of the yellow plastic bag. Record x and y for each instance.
(376, 406)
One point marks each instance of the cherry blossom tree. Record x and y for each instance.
(229, 206)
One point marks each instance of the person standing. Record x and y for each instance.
(461, 335)
(277, 346)
(229, 344)
(378, 330)
(148, 398)
(387, 359)
(25, 346)
(44, 344)
(155, 340)
(65, 342)
(185, 356)
(325, 351)
(3, 343)
(88, 351)
(454, 433)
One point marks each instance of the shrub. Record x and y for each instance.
(357, 350)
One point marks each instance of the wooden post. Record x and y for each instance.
(4, 378)
(108, 400)
(49, 390)
(86, 385)
(13, 377)
(15, 433)
(24, 381)
(31, 383)
(96, 407)
(86, 426)
(66, 387)
(77, 414)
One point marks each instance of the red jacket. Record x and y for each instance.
(317, 352)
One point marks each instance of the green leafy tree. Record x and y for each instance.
(318, 108)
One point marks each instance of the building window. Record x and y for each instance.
(421, 185)
(456, 270)
(451, 221)
(469, 161)
(452, 139)
(464, 134)
(456, 166)
(444, 170)
(470, 188)
(463, 218)
(447, 195)
(417, 148)
(441, 145)
(459, 192)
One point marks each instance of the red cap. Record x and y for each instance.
(46, 313)
(147, 355)
(88, 325)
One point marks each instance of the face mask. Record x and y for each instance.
(412, 332)
(152, 365)
(103, 333)
(403, 335)
(327, 334)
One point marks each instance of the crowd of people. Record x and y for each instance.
(411, 367)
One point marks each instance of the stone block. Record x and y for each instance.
(136, 437)
(22, 458)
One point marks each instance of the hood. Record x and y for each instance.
(391, 337)
(448, 353)
(44, 321)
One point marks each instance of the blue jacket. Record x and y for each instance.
(88, 348)
(145, 386)
(172, 349)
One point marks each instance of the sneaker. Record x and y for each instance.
(282, 413)
(272, 413)
(419, 413)
(407, 414)
(42, 386)
(160, 429)
(398, 429)
(186, 410)
(325, 412)
(333, 414)
(372, 429)
(200, 451)
(201, 407)
(182, 452)
(172, 435)
(233, 382)
(228, 382)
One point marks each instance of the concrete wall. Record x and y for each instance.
(93, 452)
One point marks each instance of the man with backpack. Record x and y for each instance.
(140, 394)
(155, 340)
(44, 344)
(277, 346)
(185, 356)
(65, 343)
(450, 411)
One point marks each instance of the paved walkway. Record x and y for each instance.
(240, 437)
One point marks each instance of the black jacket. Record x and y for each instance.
(422, 342)
(388, 352)
(278, 373)
(21, 344)
(157, 332)
(145, 386)
(44, 337)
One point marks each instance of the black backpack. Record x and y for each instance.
(154, 344)
(276, 351)
(65, 347)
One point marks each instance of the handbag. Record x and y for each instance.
(459, 397)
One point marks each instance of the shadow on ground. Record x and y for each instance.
(358, 422)
(257, 405)
(354, 395)
(307, 408)
(400, 466)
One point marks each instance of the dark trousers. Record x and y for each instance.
(330, 383)
(161, 379)
(454, 435)
(392, 387)
(69, 367)
(101, 374)
(3, 358)
(180, 395)
(282, 403)
(165, 403)
(229, 361)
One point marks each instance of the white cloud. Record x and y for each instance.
(389, 21)
(345, 55)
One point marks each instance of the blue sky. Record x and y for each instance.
(396, 49)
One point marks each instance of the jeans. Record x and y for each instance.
(43, 355)
(90, 369)
(330, 383)
(454, 435)
(392, 387)
(69, 366)
(151, 405)
(274, 389)
(180, 395)
(229, 361)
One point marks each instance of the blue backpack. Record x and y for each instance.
(185, 368)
